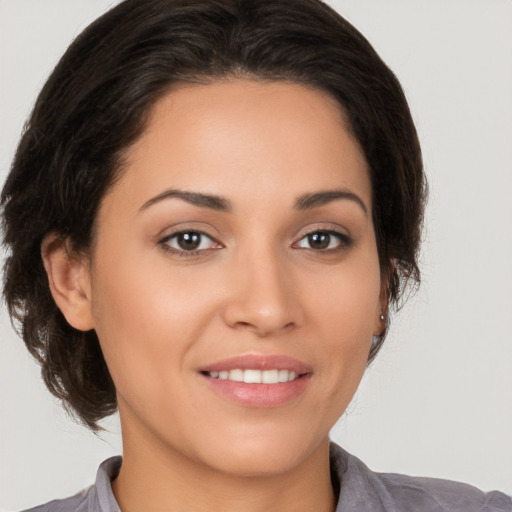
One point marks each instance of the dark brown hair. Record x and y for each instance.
(94, 105)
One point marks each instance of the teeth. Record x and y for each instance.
(252, 376)
(236, 375)
(270, 376)
(283, 375)
(255, 376)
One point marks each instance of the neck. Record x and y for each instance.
(155, 478)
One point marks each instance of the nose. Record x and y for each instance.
(263, 296)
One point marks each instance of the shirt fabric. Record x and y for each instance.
(360, 490)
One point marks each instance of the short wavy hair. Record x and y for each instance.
(94, 106)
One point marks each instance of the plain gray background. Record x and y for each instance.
(438, 400)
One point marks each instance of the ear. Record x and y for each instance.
(69, 281)
(382, 314)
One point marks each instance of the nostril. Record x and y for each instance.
(243, 325)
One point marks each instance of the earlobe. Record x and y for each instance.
(379, 325)
(68, 278)
(381, 319)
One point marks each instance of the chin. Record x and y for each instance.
(262, 456)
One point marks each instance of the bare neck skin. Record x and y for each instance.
(155, 478)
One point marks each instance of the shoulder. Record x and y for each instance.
(364, 490)
(432, 494)
(78, 503)
(96, 498)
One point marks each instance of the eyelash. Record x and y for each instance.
(344, 242)
(164, 243)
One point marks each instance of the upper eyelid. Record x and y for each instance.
(181, 231)
(184, 227)
(165, 233)
(344, 238)
(325, 230)
(325, 227)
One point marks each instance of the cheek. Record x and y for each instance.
(345, 314)
(348, 300)
(145, 318)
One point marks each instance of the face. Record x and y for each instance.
(235, 284)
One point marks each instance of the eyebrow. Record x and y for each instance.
(196, 198)
(308, 201)
(214, 202)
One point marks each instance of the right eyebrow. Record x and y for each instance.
(196, 198)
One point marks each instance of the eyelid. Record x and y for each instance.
(314, 227)
(185, 226)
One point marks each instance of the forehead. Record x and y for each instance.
(274, 137)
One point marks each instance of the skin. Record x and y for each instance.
(256, 286)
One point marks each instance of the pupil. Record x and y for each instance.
(189, 241)
(319, 240)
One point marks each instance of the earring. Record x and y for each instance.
(382, 317)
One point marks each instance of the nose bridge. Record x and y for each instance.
(262, 296)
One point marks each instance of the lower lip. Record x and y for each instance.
(260, 395)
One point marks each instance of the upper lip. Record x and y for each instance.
(259, 362)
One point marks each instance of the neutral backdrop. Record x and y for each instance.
(438, 400)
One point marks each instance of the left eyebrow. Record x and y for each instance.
(307, 201)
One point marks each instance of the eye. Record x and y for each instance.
(324, 240)
(188, 242)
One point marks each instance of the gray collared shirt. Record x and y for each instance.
(360, 490)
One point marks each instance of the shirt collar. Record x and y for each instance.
(357, 486)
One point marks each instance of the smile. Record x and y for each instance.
(252, 376)
(258, 380)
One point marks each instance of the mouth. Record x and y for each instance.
(257, 380)
(254, 376)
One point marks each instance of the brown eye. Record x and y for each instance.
(324, 241)
(319, 240)
(188, 241)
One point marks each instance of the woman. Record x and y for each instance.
(213, 208)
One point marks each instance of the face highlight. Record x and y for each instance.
(235, 285)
